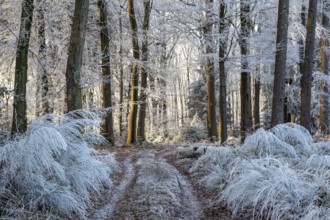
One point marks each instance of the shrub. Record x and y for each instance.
(52, 168)
(276, 174)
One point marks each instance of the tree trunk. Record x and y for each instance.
(46, 108)
(211, 104)
(121, 80)
(144, 73)
(256, 109)
(106, 72)
(280, 63)
(245, 87)
(324, 67)
(306, 80)
(222, 77)
(19, 123)
(76, 47)
(131, 135)
(301, 41)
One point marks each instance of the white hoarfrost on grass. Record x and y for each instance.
(52, 168)
(160, 192)
(276, 174)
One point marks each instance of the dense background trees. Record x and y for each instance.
(172, 63)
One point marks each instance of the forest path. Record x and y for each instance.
(149, 187)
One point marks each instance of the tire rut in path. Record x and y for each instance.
(150, 197)
(117, 192)
(121, 205)
(189, 200)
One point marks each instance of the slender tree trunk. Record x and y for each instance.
(222, 77)
(210, 87)
(121, 80)
(144, 73)
(19, 123)
(306, 80)
(131, 135)
(245, 89)
(46, 108)
(163, 104)
(301, 41)
(256, 109)
(106, 72)
(324, 67)
(280, 63)
(74, 63)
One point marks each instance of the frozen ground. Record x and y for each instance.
(149, 188)
(277, 174)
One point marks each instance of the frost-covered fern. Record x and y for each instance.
(53, 167)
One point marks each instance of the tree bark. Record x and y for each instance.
(121, 80)
(301, 41)
(131, 135)
(106, 72)
(324, 67)
(222, 77)
(74, 62)
(19, 123)
(43, 77)
(306, 80)
(280, 63)
(245, 87)
(256, 109)
(144, 73)
(210, 87)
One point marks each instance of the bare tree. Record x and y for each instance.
(44, 78)
(307, 71)
(245, 89)
(280, 63)
(324, 67)
(74, 62)
(211, 103)
(19, 123)
(144, 72)
(106, 72)
(222, 77)
(131, 135)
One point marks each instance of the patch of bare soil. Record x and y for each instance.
(155, 184)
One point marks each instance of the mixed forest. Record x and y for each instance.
(164, 109)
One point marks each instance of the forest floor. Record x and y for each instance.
(154, 183)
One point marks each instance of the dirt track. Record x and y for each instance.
(153, 186)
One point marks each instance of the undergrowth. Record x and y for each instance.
(53, 168)
(275, 174)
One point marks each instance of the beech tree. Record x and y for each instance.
(144, 71)
(106, 72)
(222, 76)
(75, 55)
(307, 71)
(245, 85)
(324, 67)
(280, 63)
(42, 52)
(19, 122)
(131, 135)
(209, 70)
